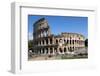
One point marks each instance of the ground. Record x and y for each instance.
(82, 53)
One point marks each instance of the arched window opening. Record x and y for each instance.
(50, 41)
(46, 50)
(56, 41)
(60, 50)
(64, 49)
(43, 51)
(46, 41)
(51, 51)
(43, 42)
(60, 40)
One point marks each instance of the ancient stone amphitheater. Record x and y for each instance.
(45, 43)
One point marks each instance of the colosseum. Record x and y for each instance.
(45, 43)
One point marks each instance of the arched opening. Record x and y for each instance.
(64, 41)
(67, 41)
(46, 50)
(70, 38)
(46, 41)
(70, 42)
(43, 42)
(68, 49)
(73, 41)
(43, 51)
(41, 34)
(40, 51)
(56, 41)
(51, 51)
(73, 48)
(60, 50)
(45, 34)
(55, 50)
(60, 40)
(50, 41)
(77, 41)
(65, 50)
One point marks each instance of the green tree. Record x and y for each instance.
(30, 44)
(86, 43)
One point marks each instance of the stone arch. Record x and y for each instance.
(60, 40)
(55, 50)
(65, 49)
(43, 51)
(73, 48)
(64, 40)
(46, 50)
(56, 41)
(45, 34)
(46, 41)
(50, 40)
(51, 51)
(43, 42)
(73, 41)
(70, 42)
(60, 49)
(70, 49)
(41, 34)
(67, 41)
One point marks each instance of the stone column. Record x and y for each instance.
(53, 40)
(41, 43)
(41, 34)
(49, 51)
(69, 42)
(41, 51)
(45, 51)
(58, 50)
(53, 51)
(63, 50)
(48, 41)
(67, 49)
(48, 32)
(44, 42)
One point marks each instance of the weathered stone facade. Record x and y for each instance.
(46, 43)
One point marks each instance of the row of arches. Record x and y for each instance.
(54, 51)
(66, 41)
(52, 41)
(43, 33)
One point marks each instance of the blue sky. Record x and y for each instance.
(58, 24)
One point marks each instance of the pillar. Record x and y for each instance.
(41, 51)
(45, 50)
(41, 34)
(41, 42)
(53, 51)
(44, 42)
(49, 51)
(53, 40)
(48, 41)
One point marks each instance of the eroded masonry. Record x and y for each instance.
(45, 43)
